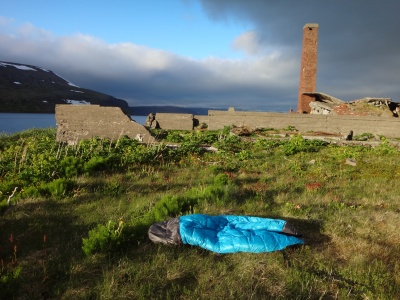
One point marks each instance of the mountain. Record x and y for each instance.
(31, 89)
(146, 110)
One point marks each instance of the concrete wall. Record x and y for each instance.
(388, 127)
(175, 121)
(200, 119)
(77, 122)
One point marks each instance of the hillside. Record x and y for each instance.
(31, 89)
(146, 110)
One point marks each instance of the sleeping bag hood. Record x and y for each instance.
(166, 232)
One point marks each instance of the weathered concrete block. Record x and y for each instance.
(175, 121)
(388, 127)
(200, 119)
(78, 122)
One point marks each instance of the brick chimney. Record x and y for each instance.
(308, 70)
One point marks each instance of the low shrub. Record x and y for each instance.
(221, 180)
(385, 147)
(174, 137)
(57, 188)
(268, 144)
(95, 164)
(104, 238)
(172, 206)
(232, 143)
(298, 144)
(70, 166)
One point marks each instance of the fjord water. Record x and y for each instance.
(15, 122)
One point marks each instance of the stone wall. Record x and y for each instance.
(174, 121)
(77, 122)
(388, 127)
(199, 120)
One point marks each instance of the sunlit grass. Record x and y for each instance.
(349, 217)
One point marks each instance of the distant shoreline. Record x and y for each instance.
(136, 110)
(146, 110)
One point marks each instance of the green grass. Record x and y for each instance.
(349, 217)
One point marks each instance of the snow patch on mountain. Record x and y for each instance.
(21, 67)
(77, 102)
(69, 83)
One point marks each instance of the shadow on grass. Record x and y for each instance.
(310, 233)
(309, 230)
(41, 238)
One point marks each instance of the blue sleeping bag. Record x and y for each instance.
(228, 234)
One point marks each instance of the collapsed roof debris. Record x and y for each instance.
(325, 104)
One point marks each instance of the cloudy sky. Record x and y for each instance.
(207, 53)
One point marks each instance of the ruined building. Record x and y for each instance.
(311, 102)
(317, 112)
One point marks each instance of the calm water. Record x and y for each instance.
(12, 123)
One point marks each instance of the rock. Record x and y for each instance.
(150, 121)
(350, 136)
(351, 162)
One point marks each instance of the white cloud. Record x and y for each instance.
(144, 76)
(28, 31)
(356, 57)
(248, 42)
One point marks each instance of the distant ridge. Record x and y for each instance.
(31, 89)
(146, 110)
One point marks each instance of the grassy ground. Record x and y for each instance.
(348, 214)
